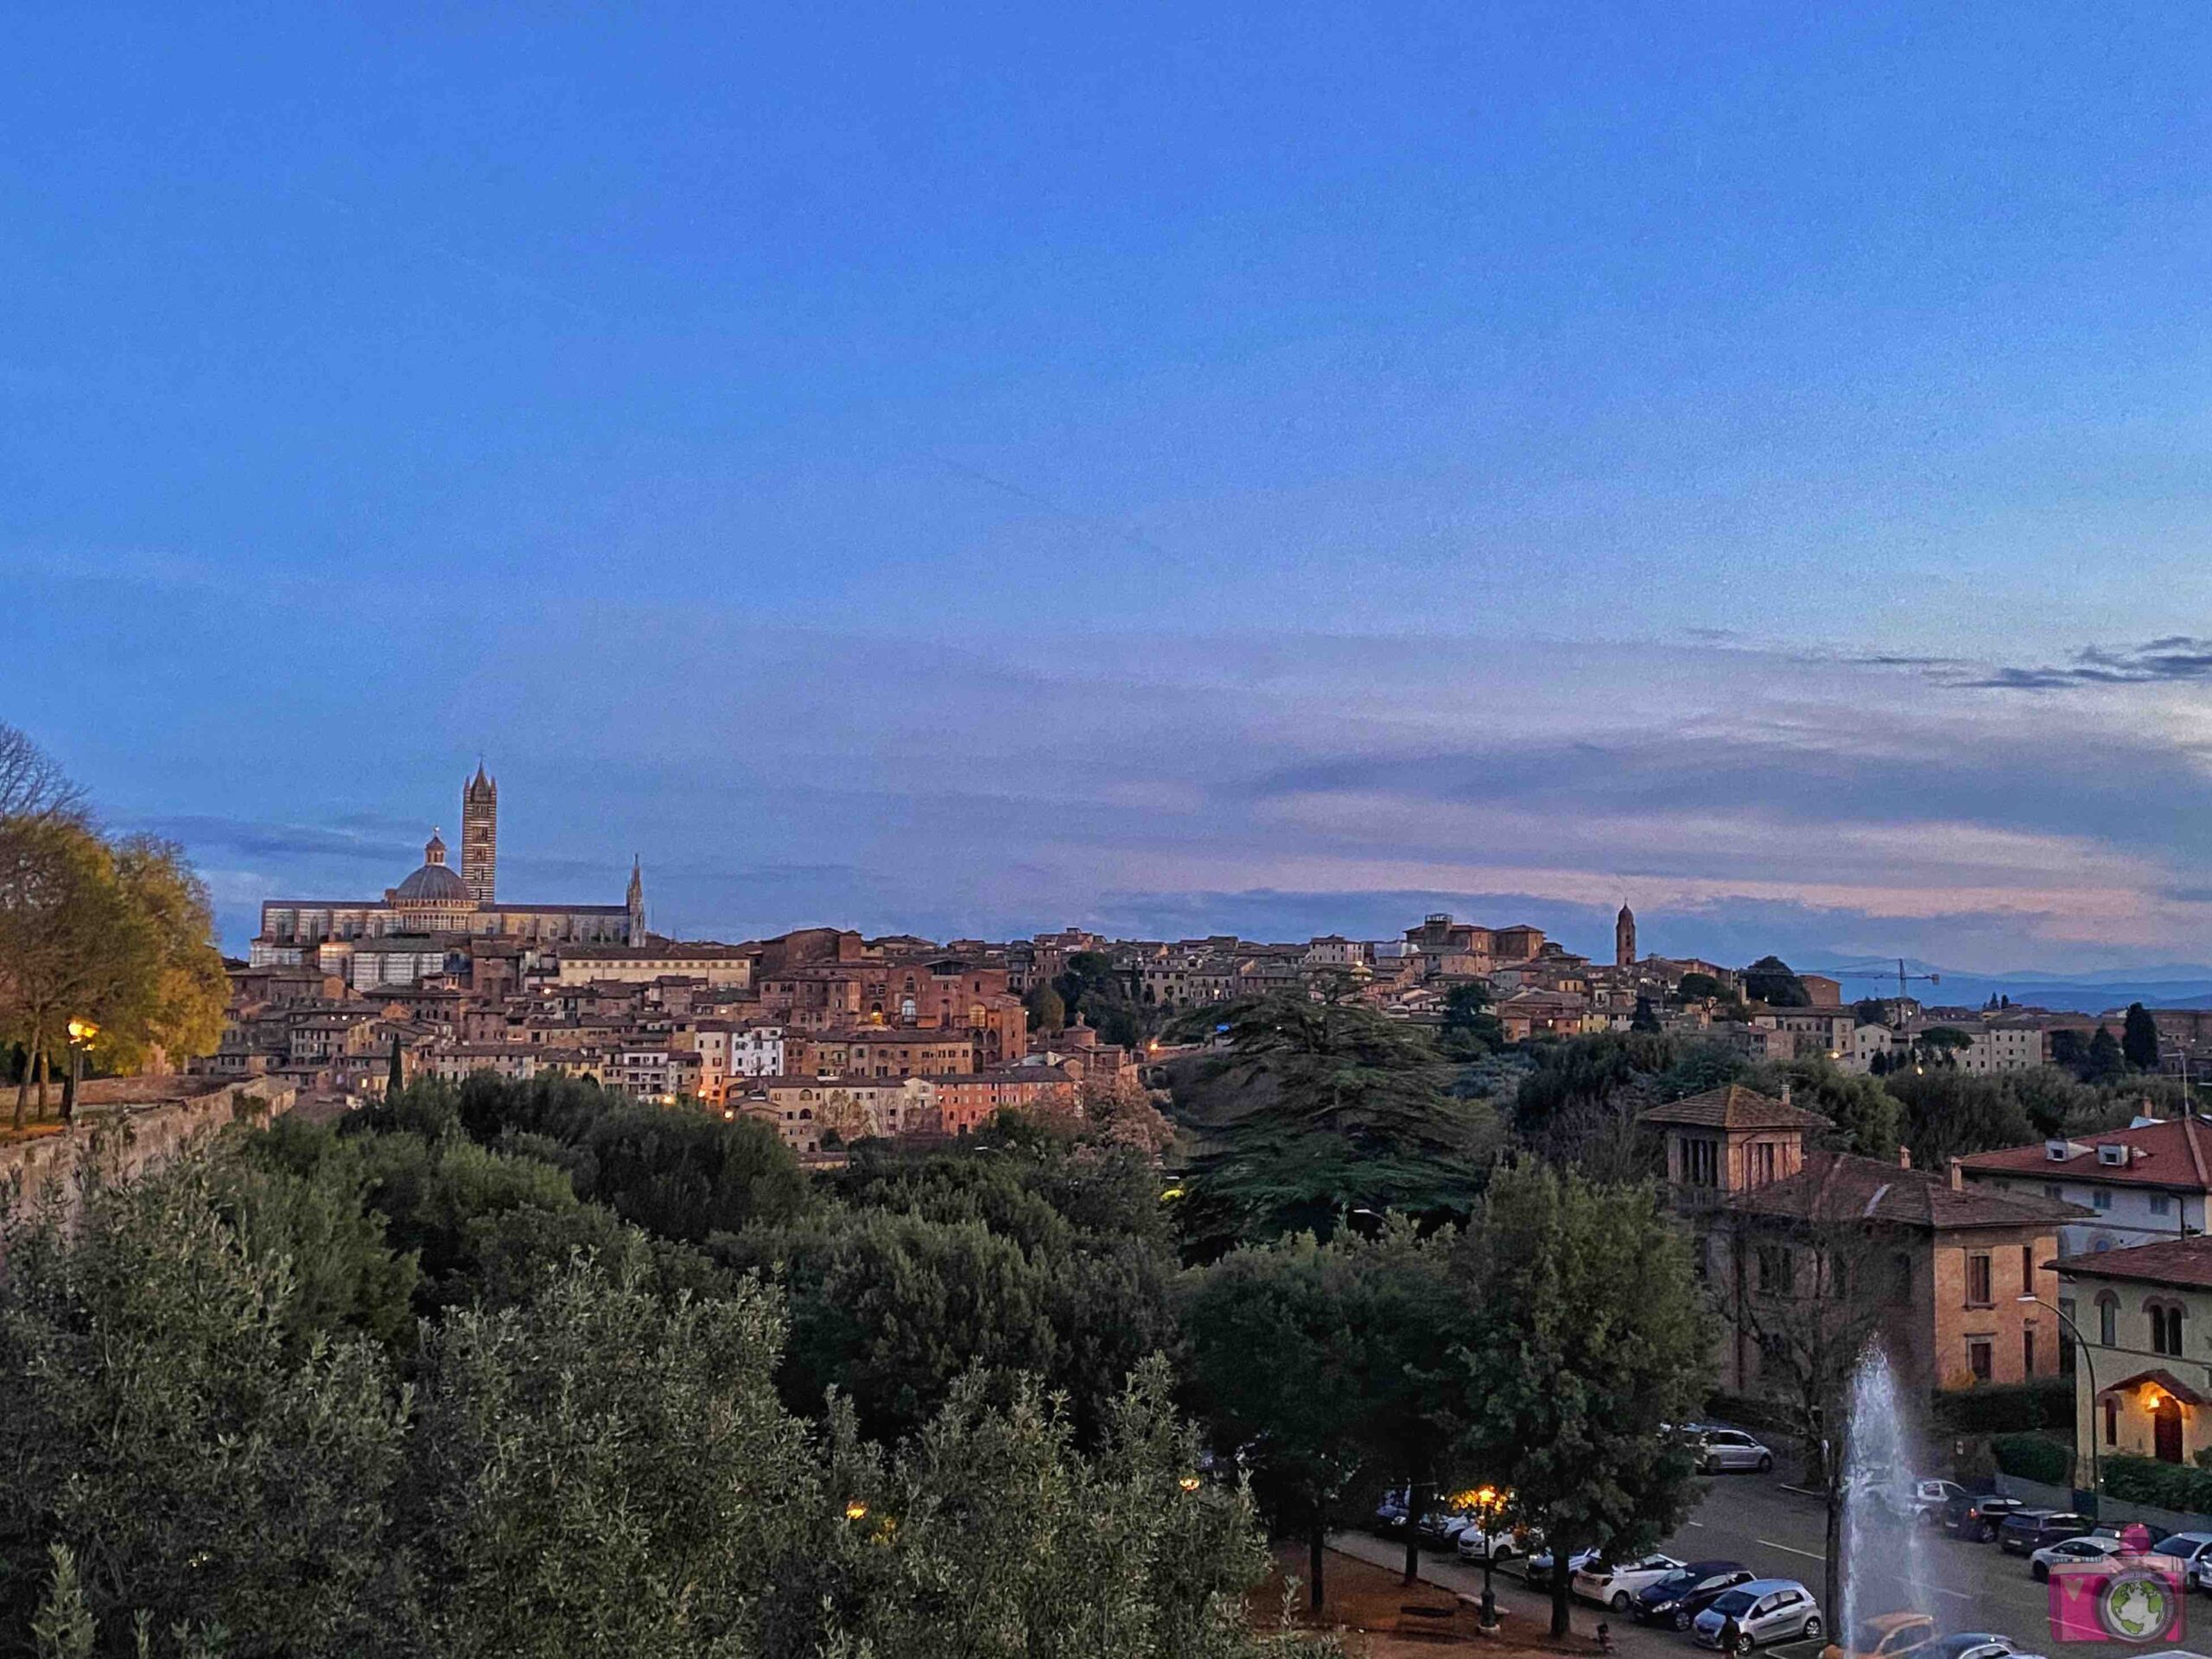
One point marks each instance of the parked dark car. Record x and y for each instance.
(1679, 1598)
(1977, 1515)
(1390, 1514)
(2026, 1531)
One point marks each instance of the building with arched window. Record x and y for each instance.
(2146, 1314)
(1810, 1254)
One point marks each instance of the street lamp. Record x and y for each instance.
(1486, 1502)
(2081, 1343)
(82, 1033)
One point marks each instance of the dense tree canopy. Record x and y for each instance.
(1770, 981)
(1470, 1029)
(1050, 1262)
(1347, 1112)
(678, 1174)
(1324, 1367)
(1589, 1341)
(1103, 997)
(233, 1451)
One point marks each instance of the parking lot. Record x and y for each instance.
(1778, 1533)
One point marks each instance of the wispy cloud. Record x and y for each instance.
(2173, 659)
(1282, 784)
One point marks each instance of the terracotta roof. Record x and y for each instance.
(1841, 1186)
(2157, 1378)
(2186, 1261)
(1733, 1107)
(2176, 1155)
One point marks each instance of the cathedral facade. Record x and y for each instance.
(437, 911)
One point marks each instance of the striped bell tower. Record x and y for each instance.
(480, 835)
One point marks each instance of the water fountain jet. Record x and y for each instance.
(1884, 1566)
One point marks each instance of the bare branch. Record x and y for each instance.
(32, 783)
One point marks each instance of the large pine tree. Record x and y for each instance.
(1348, 1113)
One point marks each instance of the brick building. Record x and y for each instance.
(1795, 1242)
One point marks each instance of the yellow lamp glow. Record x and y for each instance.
(82, 1031)
(856, 1510)
(1189, 1482)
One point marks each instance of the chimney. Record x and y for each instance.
(1785, 1091)
(1958, 1176)
(1904, 1157)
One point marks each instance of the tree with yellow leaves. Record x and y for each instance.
(116, 933)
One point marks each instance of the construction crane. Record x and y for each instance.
(1903, 978)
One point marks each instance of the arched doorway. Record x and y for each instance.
(2165, 1428)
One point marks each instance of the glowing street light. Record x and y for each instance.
(1486, 1501)
(1188, 1483)
(82, 1033)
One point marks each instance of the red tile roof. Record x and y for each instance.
(2181, 1261)
(1836, 1187)
(1734, 1107)
(2174, 1155)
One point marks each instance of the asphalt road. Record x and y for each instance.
(1780, 1533)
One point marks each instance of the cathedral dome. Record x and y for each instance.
(435, 883)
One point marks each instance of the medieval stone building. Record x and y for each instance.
(436, 913)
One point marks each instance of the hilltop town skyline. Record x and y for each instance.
(1255, 917)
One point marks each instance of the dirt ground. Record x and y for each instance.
(1371, 1606)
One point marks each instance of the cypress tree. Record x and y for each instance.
(2138, 1039)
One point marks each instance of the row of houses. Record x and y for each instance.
(2082, 1256)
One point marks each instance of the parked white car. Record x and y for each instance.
(1616, 1585)
(1731, 1449)
(1475, 1544)
(2194, 1551)
(2091, 1547)
(1539, 1567)
(1766, 1611)
(1926, 1500)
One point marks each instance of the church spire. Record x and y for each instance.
(636, 900)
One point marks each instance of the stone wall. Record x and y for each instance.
(122, 1130)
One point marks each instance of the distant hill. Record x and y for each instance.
(2177, 986)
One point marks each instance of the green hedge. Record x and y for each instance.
(2168, 1486)
(2034, 1456)
(2005, 1408)
(1753, 1411)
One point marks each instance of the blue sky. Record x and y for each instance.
(1274, 466)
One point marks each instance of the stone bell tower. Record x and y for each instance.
(480, 835)
(1624, 938)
